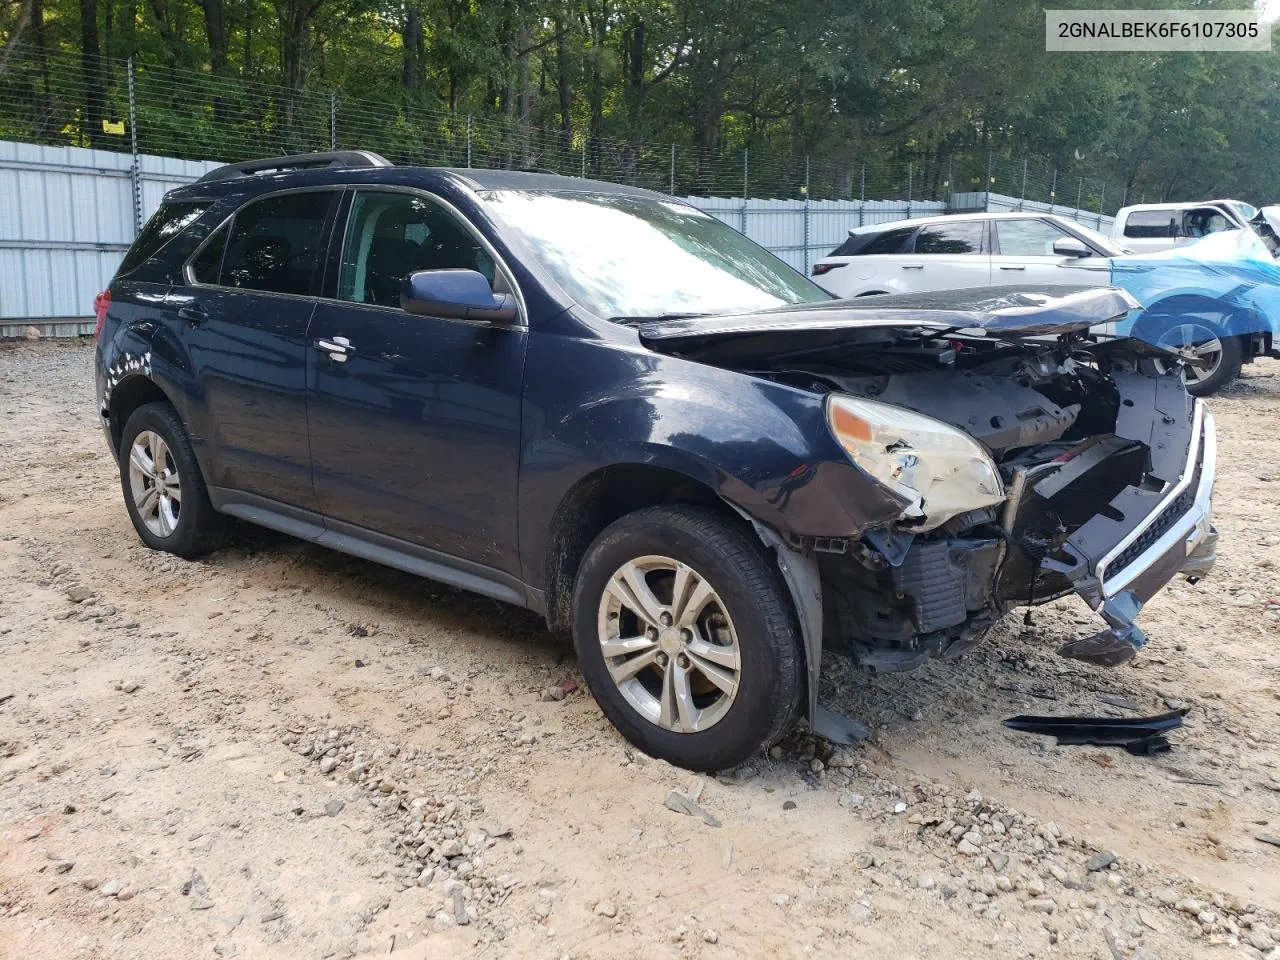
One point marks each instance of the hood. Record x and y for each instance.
(999, 313)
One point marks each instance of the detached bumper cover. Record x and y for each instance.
(1117, 575)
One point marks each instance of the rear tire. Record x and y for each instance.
(164, 491)
(687, 638)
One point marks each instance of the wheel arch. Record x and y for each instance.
(597, 500)
(127, 396)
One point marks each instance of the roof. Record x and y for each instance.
(362, 167)
(948, 218)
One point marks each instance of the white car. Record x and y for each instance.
(1146, 227)
(967, 250)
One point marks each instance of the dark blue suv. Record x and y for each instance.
(606, 406)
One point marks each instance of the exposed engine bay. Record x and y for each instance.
(1091, 473)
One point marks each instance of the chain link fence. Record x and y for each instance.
(59, 99)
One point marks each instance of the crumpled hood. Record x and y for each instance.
(1003, 313)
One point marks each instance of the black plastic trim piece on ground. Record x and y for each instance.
(1143, 736)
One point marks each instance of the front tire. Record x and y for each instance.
(1221, 356)
(163, 488)
(686, 637)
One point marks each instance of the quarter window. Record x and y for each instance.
(891, 241)
(1027, 238)
(165, 224)
(960, 237)
(391, 235)
(276, 243)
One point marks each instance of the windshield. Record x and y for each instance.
(1247, 211)
(622, 256)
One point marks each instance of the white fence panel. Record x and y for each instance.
(66, 219)
(799, 232)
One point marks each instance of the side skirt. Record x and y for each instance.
(378, 547)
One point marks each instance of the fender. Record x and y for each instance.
(763, 446)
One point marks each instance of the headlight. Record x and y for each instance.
(941, 470)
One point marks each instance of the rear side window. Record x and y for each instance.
(891, 241)
(961, 237)
(276, 244)
(165, 224)
(1151, 224)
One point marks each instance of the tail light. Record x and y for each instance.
(820, 268)
(100, 304)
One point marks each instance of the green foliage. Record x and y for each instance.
(880, 97)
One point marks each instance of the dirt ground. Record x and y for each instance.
(279, 751)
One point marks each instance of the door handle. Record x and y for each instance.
(1013, 268)
(193, 313)
(913, 266)
(338, 348)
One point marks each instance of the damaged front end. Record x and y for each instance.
(1031, 459)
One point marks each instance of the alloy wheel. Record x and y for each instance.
(668, 644)
(1197, 340)
(154, 483)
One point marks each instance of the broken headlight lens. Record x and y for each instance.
(943, 471)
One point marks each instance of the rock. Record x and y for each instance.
(78, 593)
(126, 894)
(678, 802)
(1260, 940)
(460, 916)
(131, 686)
(1003, 883)
(1042, 905)
(1188, 905)
(788, 804)
(998, 861)
(987, 885)
(926, 882)
(64, 867)
(899, 807)
(710, 936)
(451, 848)
(111, 888)
(606, 908)
(552, 694)
(1100, 861)
(1036, 887)
(426, 876)
(860, 913)
(865, 861)
(334, 807)
(328, 764)
(967, 848)
(851, 800)
(31, 333)
(779, 899)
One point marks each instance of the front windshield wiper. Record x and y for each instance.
(659, 318)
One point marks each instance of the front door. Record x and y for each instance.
(247, 306)
(1024, 255)
(415, 421)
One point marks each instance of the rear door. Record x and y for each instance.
(249, 299)
(415, 420)
(1024, 254)
(949, 255)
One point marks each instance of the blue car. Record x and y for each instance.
(603, 405)
(1216, 301)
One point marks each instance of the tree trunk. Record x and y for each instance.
(15, 33)
(90, 72)
(411, 40)
(563, 89)
(215, 29)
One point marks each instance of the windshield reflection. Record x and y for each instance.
(625, 256)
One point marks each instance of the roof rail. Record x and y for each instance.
(337, 159)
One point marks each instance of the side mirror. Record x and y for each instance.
(1071, 247)
(455, 295)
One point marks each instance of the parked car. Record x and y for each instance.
(1147, 227)
(1212, 312)
(606, 406)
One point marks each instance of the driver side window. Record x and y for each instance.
(391, 235)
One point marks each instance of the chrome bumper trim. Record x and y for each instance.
(1192, 527)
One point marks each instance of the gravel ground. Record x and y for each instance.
(281, 751)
